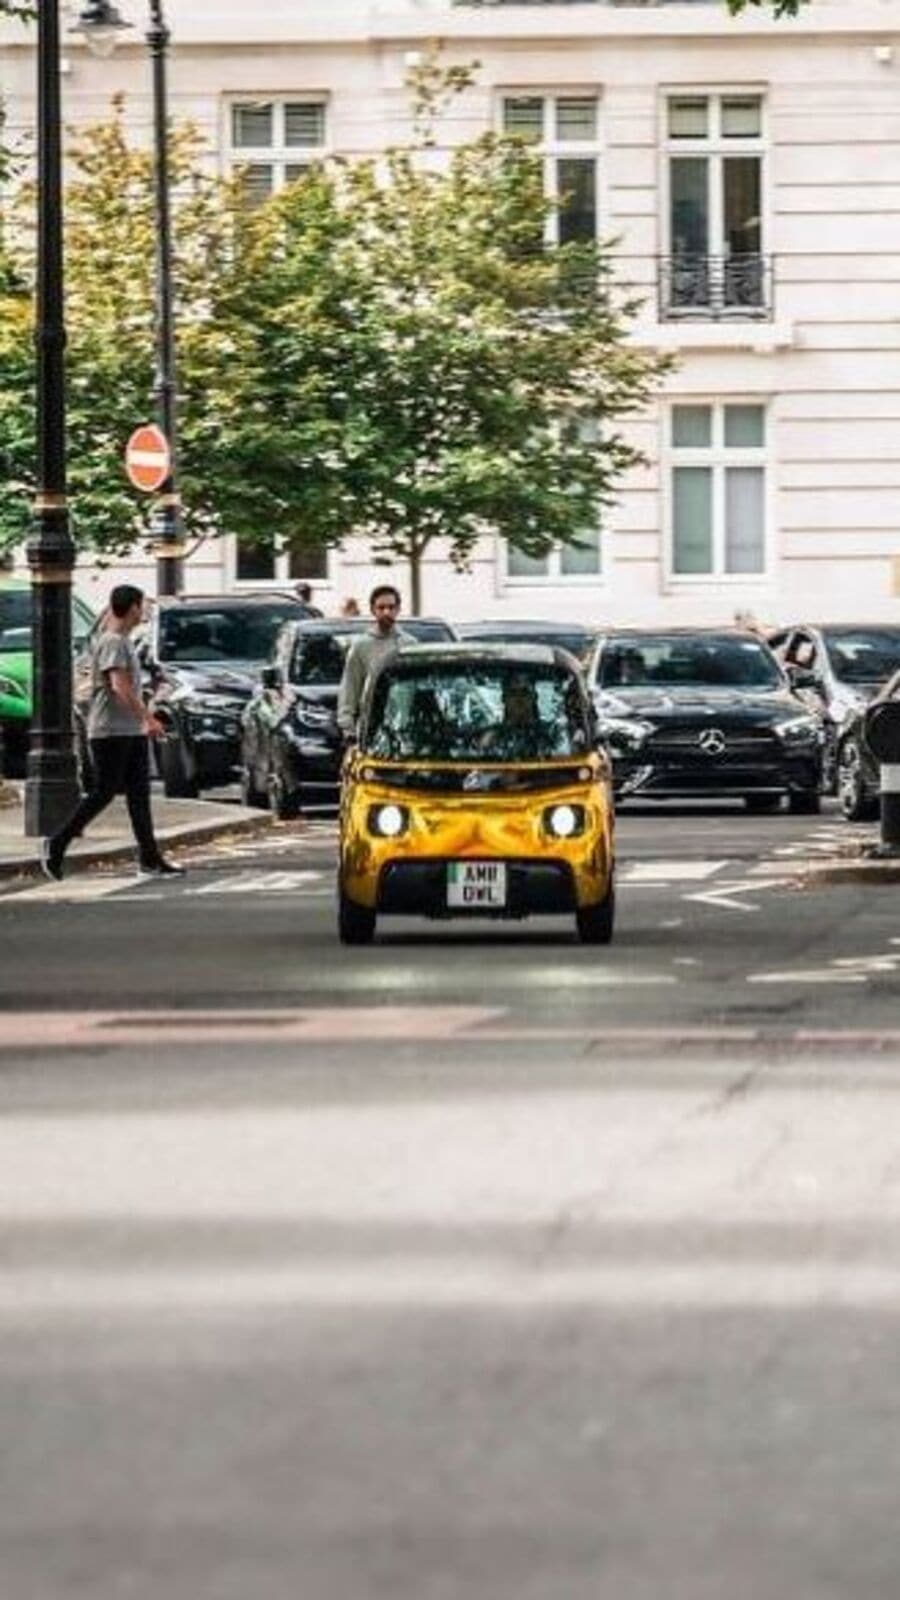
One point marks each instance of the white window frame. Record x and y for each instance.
(714, 148)
(554, 576)
(281, 578)
(278, 155)
(717, 457)
(552, 150)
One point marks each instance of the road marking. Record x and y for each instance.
(636, 873)
(73, 890)
(257, 883)
(843, 969)
(97, 1029)
(725, 895)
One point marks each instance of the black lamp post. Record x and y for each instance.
(101, 26)
(51, 787)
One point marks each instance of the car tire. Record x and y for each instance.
(356, 924)
(856, 803)
(285, 803)
(805, 803)
(596, 923)
(178, 784)
(762, 804)
(251, 797)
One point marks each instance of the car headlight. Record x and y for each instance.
(10, 687)
(564, 821)
(799, 730)
(309, 714)
(388, 822)
(625, 735)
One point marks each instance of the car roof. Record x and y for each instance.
(190, 602)
(461, 651)
(520, 625)
(615, 634)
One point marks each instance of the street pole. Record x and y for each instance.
(51, 787)
(167, 522)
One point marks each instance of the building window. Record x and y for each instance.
(565, 128)
(714, 156)
(271, 142)
(718, 490)
(563, 563)
(263, 563)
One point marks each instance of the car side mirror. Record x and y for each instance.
(270, 677)
(804, 678)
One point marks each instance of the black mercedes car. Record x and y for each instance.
(292, 750)
(837, 669)
(204, 657)
(576, 637)
(694, 713)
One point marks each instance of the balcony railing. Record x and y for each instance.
(716, 288)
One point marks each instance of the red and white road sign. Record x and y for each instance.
(148, 459)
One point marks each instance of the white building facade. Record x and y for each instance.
(749, 172)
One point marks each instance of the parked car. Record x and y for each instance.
(203, 657)
(475, 790)
(858, 774)
(292, 751)
(837, 669)
(691, 712)
(579, 639)
(16, 667)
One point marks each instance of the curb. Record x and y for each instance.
(191, 833)
(860, 869)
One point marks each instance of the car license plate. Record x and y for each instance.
(472, 885)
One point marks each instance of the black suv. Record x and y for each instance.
(292, 749)
(691, 713)
(838, 669)
(204, 656)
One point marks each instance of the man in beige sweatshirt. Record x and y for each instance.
(368, 651)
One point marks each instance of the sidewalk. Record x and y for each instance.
(109, 838)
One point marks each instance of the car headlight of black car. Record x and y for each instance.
(800, 732)
(624, 736)
(312, 717)
(209, 713)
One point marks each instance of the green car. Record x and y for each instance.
(15, 666)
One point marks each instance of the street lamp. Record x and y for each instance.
(51, 786)
(101, 27)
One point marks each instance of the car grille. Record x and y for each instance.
(681, 742)
(476, 781)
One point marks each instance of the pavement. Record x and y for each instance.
(474, 1265)
(109, 839)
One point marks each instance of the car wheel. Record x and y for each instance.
(178, 784)
(805, 803)
(762, 804)
(855, 801)
(251, 796)
(356, 924)
(595, 923)
(285, 802)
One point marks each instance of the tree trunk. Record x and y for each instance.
(415, 579)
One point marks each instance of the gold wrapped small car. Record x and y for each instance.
(476, 789)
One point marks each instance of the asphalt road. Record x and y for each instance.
(477, 1264)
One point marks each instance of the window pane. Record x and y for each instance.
(295, 170)
(581, 559)
(525, 118)
(520, 565)
(577, 187)
(742, 117)
(576, 119)
(257, 182)
(742, 202)
(745, 427)
(255, 562)
(744, 519)
(304, 124)
(688, 117)
(690, 206)
(308, 562)
(251, 126)
(692, 427)
(692, 519)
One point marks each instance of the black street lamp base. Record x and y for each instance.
(51, 795)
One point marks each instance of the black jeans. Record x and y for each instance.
(118, 766)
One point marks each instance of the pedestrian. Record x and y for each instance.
(304, 593)
(119, 729)
(350, 607)
(382, 641)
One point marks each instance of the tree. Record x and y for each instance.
(406, 360)
(780, 8)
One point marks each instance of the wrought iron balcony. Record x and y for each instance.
(716, 288)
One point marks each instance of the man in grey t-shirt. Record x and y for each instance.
(368, 651)
(119, 727)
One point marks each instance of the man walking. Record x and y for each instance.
(368, 651)
(119, 730)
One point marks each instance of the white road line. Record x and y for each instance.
(636, 873)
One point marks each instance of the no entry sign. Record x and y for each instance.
(148, 459)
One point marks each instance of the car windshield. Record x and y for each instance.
(704, 661)
(319, 659)
(577, 641)
(425, 631)
(864, 655)
(492, 711)
(15, 619)
(223, 633)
